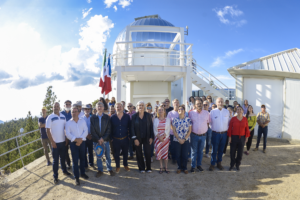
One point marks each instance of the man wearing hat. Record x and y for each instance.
(67, 113)
(263, 119)
(45, 139)
(89, 142)
(79, 106)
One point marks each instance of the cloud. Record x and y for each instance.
(109, 3)
(86, 12)
(115, 7)
(24, 82)
(89, 1)
(4, 75)
(125, 3)
(219, 61)
(3, 82)
(76, 20)
(233, 13)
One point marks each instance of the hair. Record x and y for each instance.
(119, 103)
(165, 113)
(230, 108)
(247, 102)
(107, 99)
(56, 103)
(248, 112)
(205, 102)
(94, 111)
(148, 104)
(198, 100)
(190, 99)
(175, 100)
(104, 103)
(235, 108)
(182, 106)
(111, 101)
(213, 105)
(100, 103)
(75, 107)
(138, 103)
(219, 98)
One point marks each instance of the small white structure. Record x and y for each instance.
(152, 62)
(273, 80)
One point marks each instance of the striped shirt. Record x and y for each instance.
(262, 118)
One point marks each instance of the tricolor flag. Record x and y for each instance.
(105, 80)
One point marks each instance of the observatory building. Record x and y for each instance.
(152, 62)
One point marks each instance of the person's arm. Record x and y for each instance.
(50, 138)
(42, 125)
(108, 131)
(175, 132)
(132, 132)
(189, 133)
(155, 127)
(253, 123)
(85, 130)
(268, 120)
(229, 131)
(151, 130)
(168, 127)
(112, 129)
(95, 136)
(69, 135)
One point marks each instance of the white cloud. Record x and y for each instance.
(125, 3)
(233, 13)
(219, 61)
(115, 7)
(89, 1)
(109, 3)
(86, 12)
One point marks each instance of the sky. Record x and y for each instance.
(60, 43)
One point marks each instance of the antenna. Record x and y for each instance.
(187, 31)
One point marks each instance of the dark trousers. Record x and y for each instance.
(182, 151)
(90, 151)
(226, 144)
(130, 148)
(139, 154)
(236, 150)
(67, 157)
(78, 153)
(250, 139)
(172, 150)
(152, 149)
(121, 145)
(59, 152)
(261, 131)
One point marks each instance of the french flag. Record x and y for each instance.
(105, 80)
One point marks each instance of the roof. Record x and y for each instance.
(285, 61)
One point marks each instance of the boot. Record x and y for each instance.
(219, 166)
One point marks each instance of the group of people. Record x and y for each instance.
(173, 132)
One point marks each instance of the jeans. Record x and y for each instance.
(59, 152)
(197, 144)
(208, 140)
(121, 145)
(89, 150)
(78, 153)
(172, 148)
(45, 143)
(107, 156)
(261, 131)
(218, 143)
(236, 150)
(182, 154)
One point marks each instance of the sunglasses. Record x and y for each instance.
(149, 108)
(204, 104)
(129, 106)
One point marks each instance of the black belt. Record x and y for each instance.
(198, 135)
(220, 132)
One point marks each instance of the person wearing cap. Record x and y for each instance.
(79, 106)
(76, 132)
(55, 125)
(45, 139)
(219, 121)
(67, 113)
(101, 130)
(263, 120)
(89, 142)
(120, 126)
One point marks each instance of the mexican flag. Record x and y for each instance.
(105, 79)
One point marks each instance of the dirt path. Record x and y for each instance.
(274, 175)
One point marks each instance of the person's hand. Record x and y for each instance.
(53, 145)
(181, 141)
(136, 142)
(89, 136)
(229, 140)
(150, 141)
(78, 141)
(161, 138)
(246, 140)
(100, 141)
(67, 142)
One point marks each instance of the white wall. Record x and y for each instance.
(260, 91)
(292, 115)
(177, 90)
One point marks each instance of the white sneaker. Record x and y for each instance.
(223, 154)
(142, 171)
(152, 160)
(207, 156)
(149, 171)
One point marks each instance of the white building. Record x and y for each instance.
(273, 80)
(152, 62)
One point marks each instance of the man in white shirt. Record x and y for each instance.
(76, 131)
(55, 125)
(219, 121)
(79, 106)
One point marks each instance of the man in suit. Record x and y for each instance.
(100, 130)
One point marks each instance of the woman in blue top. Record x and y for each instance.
(112, 101)
(182, 128)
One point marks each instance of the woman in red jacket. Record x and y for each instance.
(238, 134)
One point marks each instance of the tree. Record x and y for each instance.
(29, 123)
(49, 100)
(95, 102)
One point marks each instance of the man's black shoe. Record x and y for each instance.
(200, 168)
(238, 168)
(192, 170)
(230, 168)
(84, 176)
(56, 181)
(67, 174)
(77, 181)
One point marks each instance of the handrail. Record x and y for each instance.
(18, 148)
(159, 42)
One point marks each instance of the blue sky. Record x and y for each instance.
(54, 43)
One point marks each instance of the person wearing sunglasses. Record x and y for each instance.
(209, 99)
(131, 111)
(208, 133)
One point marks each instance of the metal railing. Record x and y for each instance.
(18, 148)
(210, 79)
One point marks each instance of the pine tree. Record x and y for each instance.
(29, 123)
(49, 100)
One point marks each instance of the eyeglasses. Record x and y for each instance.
(204, 104)
(129, 106)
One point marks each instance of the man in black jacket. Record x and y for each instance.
(100, 130)
(142, 134)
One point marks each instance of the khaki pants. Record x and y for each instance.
(45, 143)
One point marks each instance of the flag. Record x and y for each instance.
(105, 80)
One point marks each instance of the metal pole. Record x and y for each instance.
(20, 152)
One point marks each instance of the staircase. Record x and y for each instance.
(208, 83)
